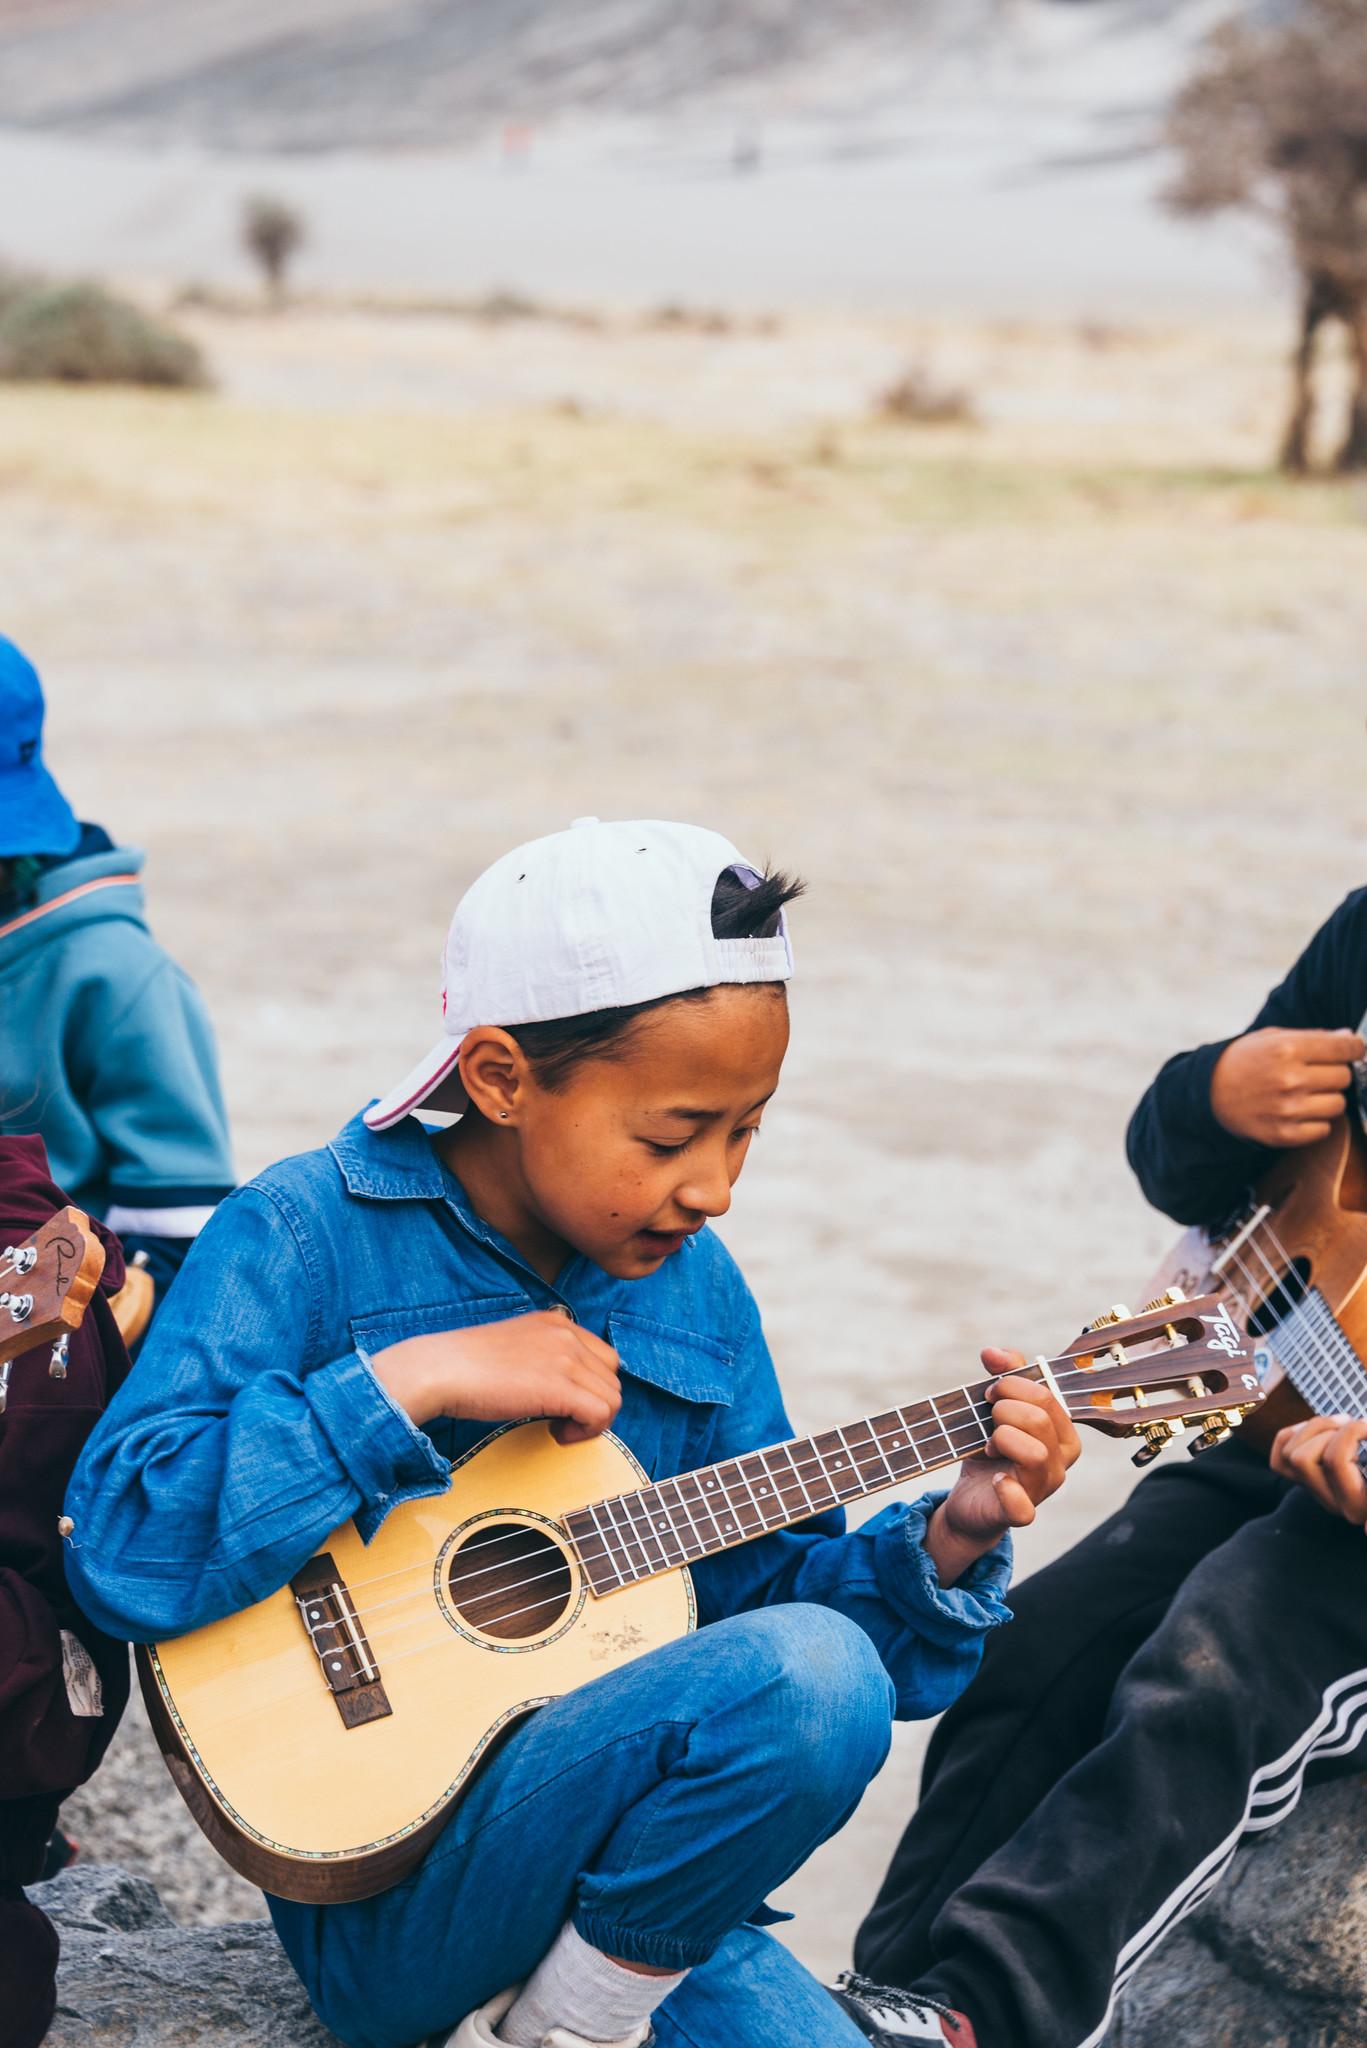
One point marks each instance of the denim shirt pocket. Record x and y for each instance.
(673, 1383)
(373, 1330)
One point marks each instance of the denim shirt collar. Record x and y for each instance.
(399, 1165)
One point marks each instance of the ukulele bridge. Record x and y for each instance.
(339, 1642)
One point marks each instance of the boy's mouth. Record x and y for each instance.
(665, 1241)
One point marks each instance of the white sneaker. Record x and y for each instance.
(480, 2030)
(891, 2017)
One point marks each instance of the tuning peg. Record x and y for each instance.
(1118, 1314)
(1157, 1436)
(1215, 1428)
(1168, 1300)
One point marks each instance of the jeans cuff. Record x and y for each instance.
(642, 1944)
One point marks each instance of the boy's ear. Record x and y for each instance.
(494, 1070)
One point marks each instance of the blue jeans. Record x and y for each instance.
(655, 1808)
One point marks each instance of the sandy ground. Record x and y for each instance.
(1060, 715)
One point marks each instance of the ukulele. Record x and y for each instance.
(45, 1287)
(321, 1737)
(1291, 1263)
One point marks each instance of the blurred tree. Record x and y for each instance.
(1273, 121)
(271, 233)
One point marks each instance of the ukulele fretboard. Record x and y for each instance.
(676, 1521)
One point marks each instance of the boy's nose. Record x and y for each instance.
(707, 1194)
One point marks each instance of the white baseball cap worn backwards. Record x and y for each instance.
(594, 918)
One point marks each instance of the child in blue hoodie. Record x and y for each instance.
(107, 1052)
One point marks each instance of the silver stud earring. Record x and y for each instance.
(503, 1115)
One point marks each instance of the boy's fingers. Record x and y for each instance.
(1016, 1503)
(1312, 1108)
(1017, 1447)
(1033, 1406)
(595, 1347)
(1345, 1474)
(1322, 1048)
(1039, 1422)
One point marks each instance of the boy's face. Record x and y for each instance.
(638, 1149)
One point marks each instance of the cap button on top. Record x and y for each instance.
(575, 822)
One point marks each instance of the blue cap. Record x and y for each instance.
(34, 815)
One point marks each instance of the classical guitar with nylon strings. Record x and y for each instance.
(321, 1737)
(1292, 1263)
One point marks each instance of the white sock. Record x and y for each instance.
(578, 1987)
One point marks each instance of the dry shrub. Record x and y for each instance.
(918, 398)
(272, 233)
(82, 334)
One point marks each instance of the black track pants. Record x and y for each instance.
(1165, 1689)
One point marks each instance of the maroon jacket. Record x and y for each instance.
(46, 1748)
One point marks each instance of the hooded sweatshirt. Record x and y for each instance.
(106, 1052)
(63, 1685)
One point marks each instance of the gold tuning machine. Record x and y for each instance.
(1118, 1314)
(1157, 1436)
(1215, 1427)
(1168, 1300)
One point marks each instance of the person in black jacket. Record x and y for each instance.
(1172, 1682)
(63, 1685)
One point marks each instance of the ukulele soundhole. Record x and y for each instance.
(509, 1580)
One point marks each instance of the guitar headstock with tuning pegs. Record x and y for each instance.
(45, 1286)
(1176, 1365)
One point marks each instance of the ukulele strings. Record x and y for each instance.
(1335, 1378)
(1064, 1376)
(945, 1430)
(636, 1532)
(489, 1622)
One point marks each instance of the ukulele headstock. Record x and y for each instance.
(1177, 1365)
(46, 1282)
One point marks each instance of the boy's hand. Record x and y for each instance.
(1033, 1444)
(1323, 1455)
(541, 1364)
(1285, 1088)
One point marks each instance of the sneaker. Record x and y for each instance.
(891, 2017)
(480, 2030)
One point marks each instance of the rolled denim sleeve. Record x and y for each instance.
(930, 1637)
(228, 1455)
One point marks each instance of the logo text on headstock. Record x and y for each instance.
(1224, 1333)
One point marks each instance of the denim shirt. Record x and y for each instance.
(254, 1424)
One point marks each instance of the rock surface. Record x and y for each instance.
(130, 1978)
(1277, 1958)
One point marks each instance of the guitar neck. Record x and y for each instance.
(676, 1521)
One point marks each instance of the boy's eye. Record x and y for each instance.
(666, 1151)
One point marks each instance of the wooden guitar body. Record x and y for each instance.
(342, 1803)
(1305, 1231)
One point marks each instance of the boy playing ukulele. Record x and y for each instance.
(615, 1021)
